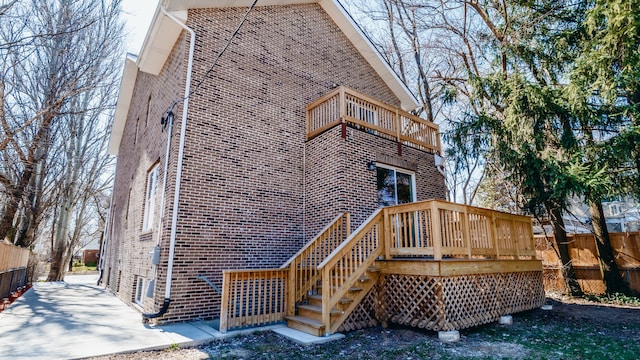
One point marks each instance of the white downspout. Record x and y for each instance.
(176, 194)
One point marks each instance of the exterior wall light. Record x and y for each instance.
(371, 166)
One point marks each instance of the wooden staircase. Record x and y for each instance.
(308, 316)
(328, 279)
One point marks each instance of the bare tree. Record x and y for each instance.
(414, 37)
(59, 62)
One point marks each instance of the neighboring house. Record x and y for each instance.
(244, 178)
(621, 215)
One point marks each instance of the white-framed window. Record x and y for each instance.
(150, 197)
(395, 186)
(615, 209)
(141, 288)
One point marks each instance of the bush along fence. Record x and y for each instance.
(584, 256)
(13, 269)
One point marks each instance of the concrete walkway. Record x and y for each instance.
(76, 319)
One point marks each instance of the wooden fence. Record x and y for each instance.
(345, 105)
(13, 268)
(583, 253)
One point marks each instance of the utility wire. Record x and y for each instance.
(215, 62)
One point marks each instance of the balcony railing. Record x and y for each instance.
(345, 105)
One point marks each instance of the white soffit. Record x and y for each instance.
(129, 75)
(158, 43)
(162, 36)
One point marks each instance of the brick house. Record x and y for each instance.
(254, 187)
(238, 185)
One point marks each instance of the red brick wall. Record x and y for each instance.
(338, 180)
(242, 199)
(90, 256)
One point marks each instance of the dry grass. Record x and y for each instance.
(574, 329)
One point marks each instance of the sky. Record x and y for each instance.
(137, 15)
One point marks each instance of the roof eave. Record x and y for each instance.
(129, 75)
(163, 34)
(158, 43)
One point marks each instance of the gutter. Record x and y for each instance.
(176, 195)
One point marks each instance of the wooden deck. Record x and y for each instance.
(345, 106)
(431, 264)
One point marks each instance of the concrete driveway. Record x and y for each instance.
(76, 319)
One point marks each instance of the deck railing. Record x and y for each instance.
(258, 297)
(303, 272)
(252, 297)
(345, 105)
(431, 229)
(442, 229)
(428, 228)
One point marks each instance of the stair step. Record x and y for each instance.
(373, 269)
(316, 300)
(307, 325)
(318, 309)
(352, 289)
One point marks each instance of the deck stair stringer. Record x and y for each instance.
(349, 272)
(353, 297)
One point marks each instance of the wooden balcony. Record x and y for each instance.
(430, 264)
(349, 107)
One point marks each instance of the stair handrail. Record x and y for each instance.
(319, 236)
(303, 277)
(348, 262)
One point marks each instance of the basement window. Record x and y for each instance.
(141, 287)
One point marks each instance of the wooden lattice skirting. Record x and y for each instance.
(447, 303)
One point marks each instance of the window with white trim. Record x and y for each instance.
(141, 287)
(150, 198)
(395, 186)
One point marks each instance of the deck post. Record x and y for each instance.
(326, 297)
(465, 231)
(494, 234)
(343, 103)
(514, 237)
(397, 125)
(437, 234)
(347, 217)
(291, 289)
(308, 121)
(224, 306)
(386, 223)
